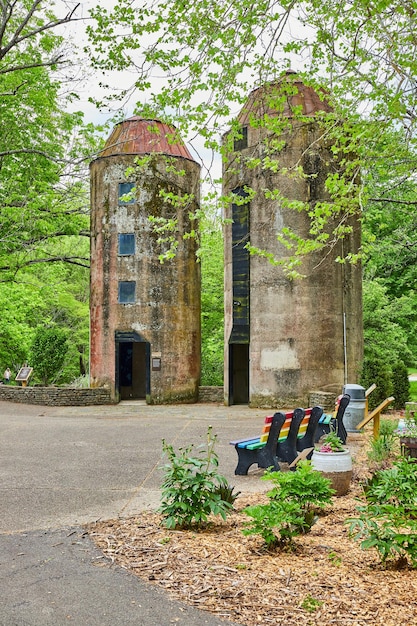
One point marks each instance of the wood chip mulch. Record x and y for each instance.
(327, 580)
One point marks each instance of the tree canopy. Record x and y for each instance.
(195, 66)
(44, 190)
(43, 147)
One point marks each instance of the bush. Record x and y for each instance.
(400, 385)
(294, 501)
(192, 489)
(388, 519)
(48, 352)
(376, 371)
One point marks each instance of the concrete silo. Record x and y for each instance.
(145, 315)
(285, 338)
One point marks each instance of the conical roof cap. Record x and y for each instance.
(137, 135)
(300, 96)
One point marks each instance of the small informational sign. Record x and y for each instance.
(156, 363)
(24, 374)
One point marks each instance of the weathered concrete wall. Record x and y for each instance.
(55, 396)
(167, 309)
(296, 326)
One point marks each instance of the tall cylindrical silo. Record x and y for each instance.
(285, 338)
(145, 314)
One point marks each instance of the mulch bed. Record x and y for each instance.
(327, 579)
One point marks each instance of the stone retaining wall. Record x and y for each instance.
(323, 398)
(71, 396)
(211, 394)
(55, 396)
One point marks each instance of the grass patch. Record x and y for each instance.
(413, 390)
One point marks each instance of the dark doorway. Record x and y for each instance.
(132, 367)
(238, 373)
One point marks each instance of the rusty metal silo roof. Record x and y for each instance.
(136, 135)
(261, 100)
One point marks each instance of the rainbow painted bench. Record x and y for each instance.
(283, 437)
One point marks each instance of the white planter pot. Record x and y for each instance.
(336, 466)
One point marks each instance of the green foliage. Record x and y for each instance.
(51, 295)
(384, 325)
(375, 370)
(311, 604)
(226, 492)
(192, 489)
(212, 55)
(293, 504)
(44, 194)
(400, 385)
(413, 390)
(331, 443)
(212, 299)
(276, 522)
(382, 448)
(47, 353)
(387, 521)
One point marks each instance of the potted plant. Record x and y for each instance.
(408, 435)
(334, 461)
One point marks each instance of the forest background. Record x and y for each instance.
(194, 66)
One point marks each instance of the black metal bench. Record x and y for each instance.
(284, 436)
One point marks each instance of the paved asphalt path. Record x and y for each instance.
(62, 467)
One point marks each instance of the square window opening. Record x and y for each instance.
(127, 291)
(126, 244)
(125, 193)
(242, 141)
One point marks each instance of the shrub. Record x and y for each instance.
(48, 352)
(376, 371)
(382, 447)
(388, 518)
(192, 489)
(400, 385)
(293, 504)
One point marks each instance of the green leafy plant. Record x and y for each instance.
(382, 448)
(310, 604)
(331, 443)
(192, 489)
(226, 492)
(387, 520)
(334, 558)
(292, 508)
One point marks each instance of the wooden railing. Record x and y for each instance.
(375, 415)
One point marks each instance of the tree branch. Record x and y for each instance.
(18, 38)
(73, 260)
(391, 201)
(15, 68)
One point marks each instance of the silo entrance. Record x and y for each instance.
(238, 373)
(132, 366)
